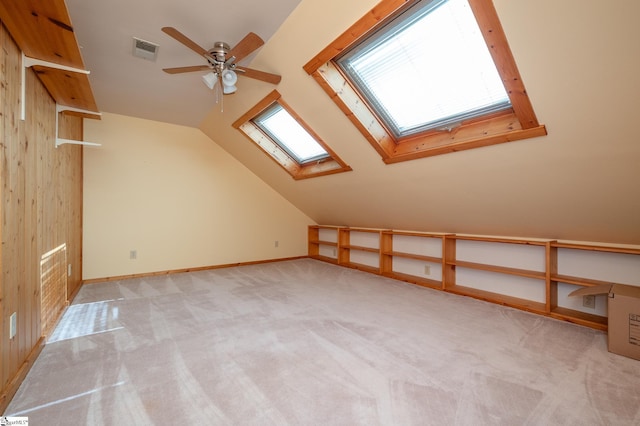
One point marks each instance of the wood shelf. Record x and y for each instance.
(584, 282)
(424, 282)
(548, 253)
(507, 240)
(362, 248)
(499, 269)
(324, 258)
(421, 257)
(610, 248)
(500, 299)
(363, 267)
(416, 233)
(324, 243)
(370, 230)
(43, 31)
(68, 88)
(578, 317)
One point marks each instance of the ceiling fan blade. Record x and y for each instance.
(179, 70)
(185, 40)
(247, 45)
(259, 75)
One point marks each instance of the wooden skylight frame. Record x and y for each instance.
(326, 166)
(516, 123)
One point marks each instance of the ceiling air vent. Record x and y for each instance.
(145, 49)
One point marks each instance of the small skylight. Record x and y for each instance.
(290, 135)
(275, 127)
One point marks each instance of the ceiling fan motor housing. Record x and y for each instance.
(219, 51)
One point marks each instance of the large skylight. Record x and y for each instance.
(288, 133)
(428, 68)
(412, 95)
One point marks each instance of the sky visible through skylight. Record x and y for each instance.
(436, 68)
(288, 132)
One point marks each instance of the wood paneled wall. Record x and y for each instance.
(40, 209)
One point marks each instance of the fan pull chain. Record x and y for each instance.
(220, 96)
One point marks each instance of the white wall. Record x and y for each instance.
(173, 195)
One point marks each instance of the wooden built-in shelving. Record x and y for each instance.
(43, 31)
(526, 274)
(317, 244)
(393, 253)
(529, 251)
(348, 251)
(593, 320)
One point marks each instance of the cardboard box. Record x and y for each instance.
(624, 316)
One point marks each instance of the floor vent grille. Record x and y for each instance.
(53, 287)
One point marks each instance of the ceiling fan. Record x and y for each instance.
(221, 61)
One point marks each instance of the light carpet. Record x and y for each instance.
(305, 342)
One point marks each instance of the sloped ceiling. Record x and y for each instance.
(578, 61)
(581, 182)
(128, 85)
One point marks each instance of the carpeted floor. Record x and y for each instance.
(308, 343)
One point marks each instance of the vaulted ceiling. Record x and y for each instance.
(576, 59)
(137, 87)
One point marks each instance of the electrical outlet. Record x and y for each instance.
(589, 301)
(276, 244)
(133, 254)
(334, 253)
(427, 269)
(13, 325)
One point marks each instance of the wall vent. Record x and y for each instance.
(145, 49)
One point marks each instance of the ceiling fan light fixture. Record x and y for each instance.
(210, 80)
(229, 79)
(221, 60)
(227, 90)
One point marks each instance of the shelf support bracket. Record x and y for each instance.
(61, 141)
(28, 62)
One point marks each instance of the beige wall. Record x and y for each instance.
(177, 198)
(579, 63)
